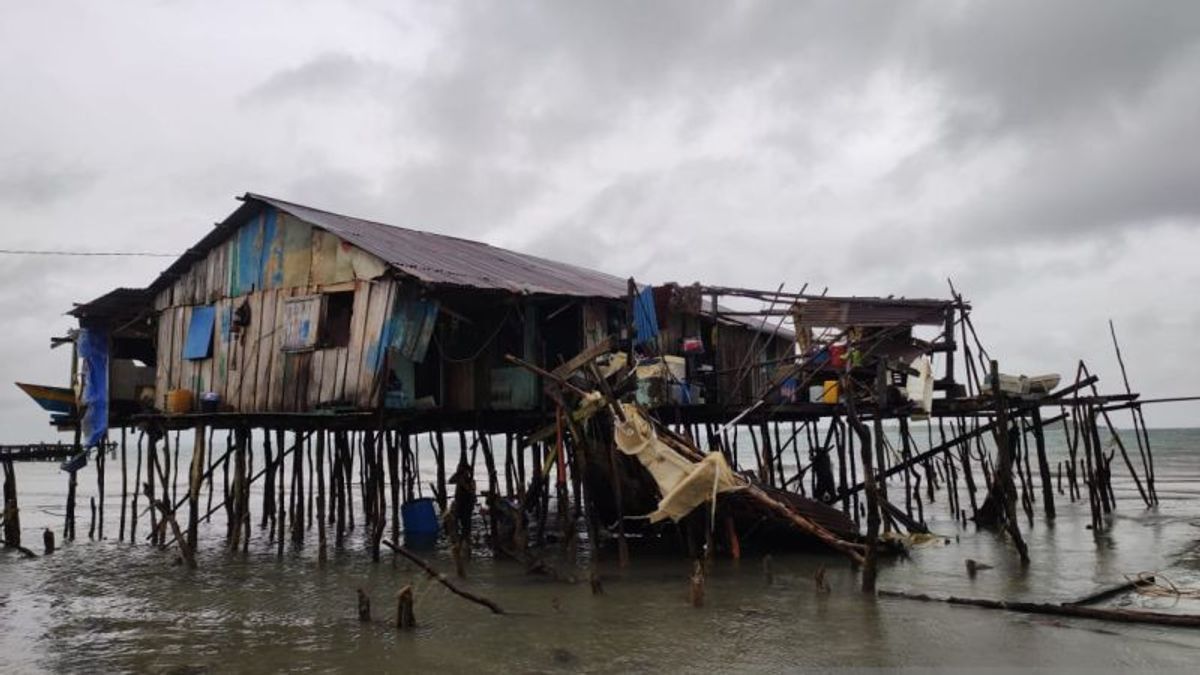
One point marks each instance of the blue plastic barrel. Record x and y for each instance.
(420, 517)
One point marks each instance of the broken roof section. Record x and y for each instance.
(828, 312)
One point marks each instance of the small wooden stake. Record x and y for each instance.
(364, 606)
(696, 590)
(404, 609)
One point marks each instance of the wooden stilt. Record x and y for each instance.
(320, 476)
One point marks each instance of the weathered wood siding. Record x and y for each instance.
(269, 259)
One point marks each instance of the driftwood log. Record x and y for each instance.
(1070, 610)
(441, 578)
(1106, 593)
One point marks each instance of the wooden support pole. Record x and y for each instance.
(280, 515)
(12, 511)
(124, 488)
(69, 529)
(393, 462)
(137, 477)
(195, 479)
(320, 475)
(1039, 440)
(268, 498)
(297, 515)
(240, 489)
(101, 471)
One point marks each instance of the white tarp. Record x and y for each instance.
(919, 388)
(683, 484)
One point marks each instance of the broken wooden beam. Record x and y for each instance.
(441, 578)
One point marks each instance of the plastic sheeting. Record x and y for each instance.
(683, 484)
(93, 350)
(919, 387)
(645, 319)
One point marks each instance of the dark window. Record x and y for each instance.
(339, 310)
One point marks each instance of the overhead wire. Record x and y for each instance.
(110, 254)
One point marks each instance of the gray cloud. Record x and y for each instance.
(326, 76)
(29, 185)
(1038, 154)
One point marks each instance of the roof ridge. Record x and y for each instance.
(268, 198)
(482, 245)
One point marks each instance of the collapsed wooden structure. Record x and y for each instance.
(340, 355)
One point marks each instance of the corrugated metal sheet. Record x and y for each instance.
(117, 303)
(434, 258)
(444, 260)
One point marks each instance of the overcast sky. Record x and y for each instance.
(1043, 155)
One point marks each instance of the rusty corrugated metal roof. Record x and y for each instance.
(445, 260)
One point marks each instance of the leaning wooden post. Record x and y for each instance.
(1135, 412)
(1003, 490)
(196, 477)
(441, 578)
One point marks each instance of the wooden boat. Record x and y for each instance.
(52, 399)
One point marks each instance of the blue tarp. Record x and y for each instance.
(257, 255)
(200, 333)
(93, 350)
(645, 320)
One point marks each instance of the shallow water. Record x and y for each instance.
(106, 606)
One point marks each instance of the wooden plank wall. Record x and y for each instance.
(249, 369)
(251, 372)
